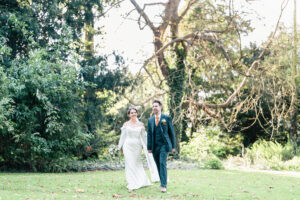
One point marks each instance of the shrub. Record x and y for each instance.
(213, 163)
(265, 151)
(272, 155)
(208, 141)
(288, 152)
(45, 96)
(6, 107)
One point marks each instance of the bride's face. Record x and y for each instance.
(133, 114)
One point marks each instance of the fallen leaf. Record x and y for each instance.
(133, 195)
(116, 196)
(80, 190)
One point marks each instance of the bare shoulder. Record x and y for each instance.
(141, 124)
(125, 124)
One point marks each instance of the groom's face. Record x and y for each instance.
(156, 108)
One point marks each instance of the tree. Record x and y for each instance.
(214, 32)
(41, 131)
(294, 113)
(94, 71)
(42, 67)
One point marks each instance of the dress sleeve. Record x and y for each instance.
(122, 138)
(144, 138)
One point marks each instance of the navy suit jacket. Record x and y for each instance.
(166, 126)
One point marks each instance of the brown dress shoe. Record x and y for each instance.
(163, 189)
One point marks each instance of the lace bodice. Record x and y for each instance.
(134, 132)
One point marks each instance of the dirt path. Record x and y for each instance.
(282, 173)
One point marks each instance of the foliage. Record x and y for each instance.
(271, 151)
(210, 142)
(43, 84)
(267, 96)
(289, 165)
(5, 101)
(261, 109)
(213, 163)
(23, 22)
(273, 155)
(45, 96)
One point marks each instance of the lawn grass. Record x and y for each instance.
(183, 184)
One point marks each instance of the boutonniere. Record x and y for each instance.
(163, 121)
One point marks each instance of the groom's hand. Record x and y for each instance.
(173, 150)
(149, 151)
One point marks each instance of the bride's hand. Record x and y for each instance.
(121, 151)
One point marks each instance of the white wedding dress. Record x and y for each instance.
(133, 140)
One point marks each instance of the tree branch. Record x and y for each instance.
(190, 3)
(143, 14)
(111, 7)
(170, 13)
(236, 92)
(146, 100)
(153, 4)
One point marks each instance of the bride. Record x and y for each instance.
(132, 141)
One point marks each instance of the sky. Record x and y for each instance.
(124, 36)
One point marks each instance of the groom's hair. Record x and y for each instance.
(157, 101)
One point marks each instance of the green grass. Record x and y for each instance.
(184, 184)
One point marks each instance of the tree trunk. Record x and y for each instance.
(176, 80)
(184, 137)
(90, 94)
(294, 113)
(174, 75)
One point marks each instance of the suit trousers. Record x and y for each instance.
(160, 155)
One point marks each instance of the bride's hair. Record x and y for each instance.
(131, 108)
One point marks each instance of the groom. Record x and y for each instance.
(161, 140)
